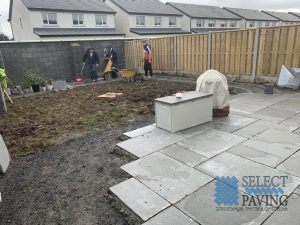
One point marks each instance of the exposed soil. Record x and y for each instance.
(68, 182)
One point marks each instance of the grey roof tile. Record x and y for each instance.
(69, 5)
(152, 7)
(295, 14)
(286, 17)
(204, 30)
(251, 14)
(76, 32)
(153, 31)
(203, 11)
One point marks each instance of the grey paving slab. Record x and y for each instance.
(227, 164)
(297, 131)
(4, 156)
(167, 177)
(257, 99)
(291, 165)
(292, 121)
(276, 126)
(272, 114)
(201, 206)
(211, 143)
(297, 191)
(282, 97)
(251, 130)
(241, 108)
(257, 156)
(290, 216)
(288, 105)
(235, 120)
(140, 131)
(149, 142)
(171, 216)
(140, 199)
(190, 132)
(280, 143)
(183, 155)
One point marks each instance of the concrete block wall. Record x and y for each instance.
(56, 60)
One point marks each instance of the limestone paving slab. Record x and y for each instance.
(297, 131)
(297, 191)
(183, 155)
(272, 115)
(227, 164)
(280, 143)
(235, 120)
(257, 156)
(291, 165)
(211, 143)
(190, 132)
(4, 156)
(258, 99)
(276, 126)
(167, 177)
(290, 216)
(149, 142)
(139, 198)
(140, 131)
(251, 130)
(288, 105)
(240, 108)
(171, 216)
(201, 207)
(292, 121)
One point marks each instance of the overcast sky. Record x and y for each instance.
(278, 5)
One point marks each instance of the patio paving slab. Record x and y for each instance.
(171, 216)
(235, 120)
(276, 126)
(211, 143)
(272, 115)
(257, 156)
(150, 142)
(251, 130)
(258, 99)
(167, 177)
(297, 131)
(201, 206)
(288, 217)
(280, 143)
(293, 121)
(297, 191)
(185, 156)
(241, 108)
(288, 105)
(140, 131)
(291, 165)
(190, 132)
(227, 164)
(144, 202)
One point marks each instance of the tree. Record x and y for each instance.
(3, 37)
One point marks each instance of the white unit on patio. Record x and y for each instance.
(173, 114)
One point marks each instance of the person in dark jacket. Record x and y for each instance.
(91, 60)
(147, 60)
(112, 54)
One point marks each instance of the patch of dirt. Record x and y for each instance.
(36, 122)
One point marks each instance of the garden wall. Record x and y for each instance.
(57, 59)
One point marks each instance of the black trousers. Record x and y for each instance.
(148, 67)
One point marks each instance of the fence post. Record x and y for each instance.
(175, 53)
(255, 54)
(209, 51)
(134, 54)
(3, 108)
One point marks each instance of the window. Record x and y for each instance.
(49, 18)
(140, 20)
(211, 23)
(101, 20)
(232, 23)
(267, 24)
(252, 24)
(77, 19)
(200, 23)
(223, 23)
(172, 21)
(157, 21)
(259, 23)
(273, 23)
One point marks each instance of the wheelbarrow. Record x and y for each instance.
(130, 74)
(108, 70)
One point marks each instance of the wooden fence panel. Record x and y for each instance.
(232, 52)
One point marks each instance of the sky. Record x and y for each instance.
(276, 5)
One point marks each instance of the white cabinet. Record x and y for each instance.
(192, 109)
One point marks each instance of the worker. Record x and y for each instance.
(91, 59)
(3, 79)
(147, 60)
(110, 53)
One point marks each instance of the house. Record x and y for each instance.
(295, 14)
(252, 18)
(61, 19)
(146, 18)
(284, 18)
(202, 18)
